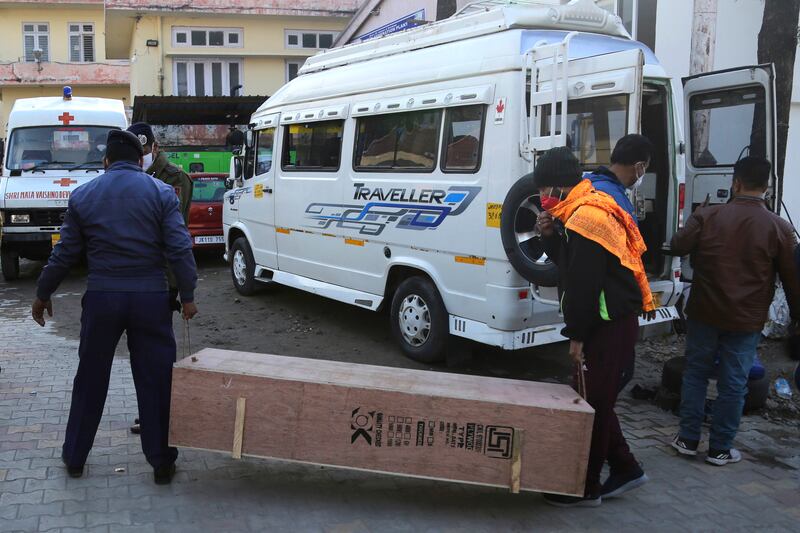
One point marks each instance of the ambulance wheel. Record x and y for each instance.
(419, 320)
(9, 260)
(243, 267)
(522, 241)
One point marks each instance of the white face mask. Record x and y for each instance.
(147, 161)
(639, 177)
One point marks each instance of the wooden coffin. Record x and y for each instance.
(500, 432)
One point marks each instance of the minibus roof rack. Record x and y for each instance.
(480, 6)
(474, 20)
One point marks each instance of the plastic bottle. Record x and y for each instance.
(783, 389)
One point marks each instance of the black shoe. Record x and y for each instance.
(559, 500)
(723, 457)
(163, 474)
(685, 447)
(619, 485)
(136, 429)
(72, 471)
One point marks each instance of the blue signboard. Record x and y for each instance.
(409, 21)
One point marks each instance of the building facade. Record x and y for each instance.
(49, 45)
(128, 48)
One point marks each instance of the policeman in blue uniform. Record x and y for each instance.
(129, 226)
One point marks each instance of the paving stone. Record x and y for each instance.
(52, 509)
(11, 498)
(21, 525)
(52, 522)
(53, 495)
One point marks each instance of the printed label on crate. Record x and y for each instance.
(395, 430)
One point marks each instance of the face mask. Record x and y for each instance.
(549, 201)
(148, 161)
(639, 177)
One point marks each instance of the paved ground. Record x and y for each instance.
(211, 492)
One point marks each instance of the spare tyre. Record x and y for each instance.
(522, 241)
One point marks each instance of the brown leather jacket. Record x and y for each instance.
(736, 250)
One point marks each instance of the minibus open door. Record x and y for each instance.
(596, 96)
(728, 115)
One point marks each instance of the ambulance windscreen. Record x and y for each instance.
(57, 147)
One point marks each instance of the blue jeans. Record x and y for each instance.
(736, 352)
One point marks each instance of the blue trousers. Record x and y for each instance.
(736, 352)
(146, 318)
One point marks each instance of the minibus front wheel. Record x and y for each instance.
(522, 241)
(419, 319)
(243, 267)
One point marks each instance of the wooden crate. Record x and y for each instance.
(500, 432)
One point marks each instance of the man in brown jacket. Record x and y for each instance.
(736, 251)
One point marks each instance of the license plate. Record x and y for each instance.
(54, 238)
(209, 239)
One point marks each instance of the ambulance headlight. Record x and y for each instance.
(21, 219)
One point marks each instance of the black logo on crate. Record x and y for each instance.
(499, 441)
(362, 425)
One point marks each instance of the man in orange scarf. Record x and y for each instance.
(598, 248)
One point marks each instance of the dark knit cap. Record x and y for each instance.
(144, 132)
(123, 146)
(557, 167)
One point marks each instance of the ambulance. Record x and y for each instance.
(54, 145)
(389, 174)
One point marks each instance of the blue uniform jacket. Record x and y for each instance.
(130, 226)
(604, 180)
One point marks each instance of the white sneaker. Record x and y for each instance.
(723, 457)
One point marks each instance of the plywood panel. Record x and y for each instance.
(408, 422)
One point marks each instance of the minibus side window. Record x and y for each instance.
(463, 144)
(264, 142)
(399, 142)
(313, 146)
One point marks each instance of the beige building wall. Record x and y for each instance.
(58, 17)
(58, 71)
(263, 52)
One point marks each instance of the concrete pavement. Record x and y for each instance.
(212, 492)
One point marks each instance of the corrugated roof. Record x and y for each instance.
(195, 110)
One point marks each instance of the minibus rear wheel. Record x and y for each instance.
(243, 267)
(420, 323)
(521, 239)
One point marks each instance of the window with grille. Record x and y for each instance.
(36, 36)
(208, 77)
(310, 39)
(207, 37)
(81, 43)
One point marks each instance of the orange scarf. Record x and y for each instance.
(596, 216)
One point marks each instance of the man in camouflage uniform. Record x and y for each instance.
(157, 165)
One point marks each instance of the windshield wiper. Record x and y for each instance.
(41, 166)
(82, 165)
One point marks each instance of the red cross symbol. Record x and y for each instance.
(65, 182)
(66, 118)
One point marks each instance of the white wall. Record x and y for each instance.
(392, 11)
(738, 24)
